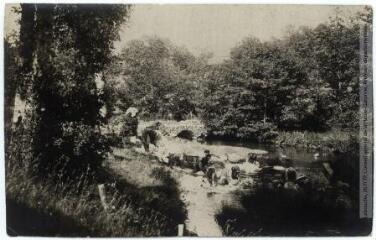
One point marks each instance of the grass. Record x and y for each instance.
(334, 140)
(277, 213)
(135, 167)
(74, 209)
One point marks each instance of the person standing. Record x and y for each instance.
(205, 161)
(130, 125)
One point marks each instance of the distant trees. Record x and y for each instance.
(160, 78)
(306, 81)
(63, 48)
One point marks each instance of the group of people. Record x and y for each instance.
(222, 175)
(129, 128)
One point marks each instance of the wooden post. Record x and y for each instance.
(102, 195)
(180, 230)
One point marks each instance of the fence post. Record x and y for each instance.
(180, 230)
(102, 195)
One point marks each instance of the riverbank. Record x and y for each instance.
(334, 140)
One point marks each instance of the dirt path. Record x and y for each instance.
(203, 202)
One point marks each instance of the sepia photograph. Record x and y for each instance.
(199, 120)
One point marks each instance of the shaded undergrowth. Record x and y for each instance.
(309, 211)
(45, 208)
(25, 221)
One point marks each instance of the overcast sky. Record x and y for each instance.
(217, 28)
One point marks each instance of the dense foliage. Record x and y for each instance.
(159, 78)
(307, 81)
(63, 48)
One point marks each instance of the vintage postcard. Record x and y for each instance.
(201, 120)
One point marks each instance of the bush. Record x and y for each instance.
(255, 132)
(78, 148)
(261, 132)
(334, 140)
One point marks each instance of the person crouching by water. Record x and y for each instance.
(205, 161)
(210, 171)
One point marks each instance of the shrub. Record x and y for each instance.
(79, 147)
(261, 132)
(334, 140)
(255, 132)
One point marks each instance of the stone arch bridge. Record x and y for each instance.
(173, 128)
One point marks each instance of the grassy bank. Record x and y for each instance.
(75, 209)
(331, 140)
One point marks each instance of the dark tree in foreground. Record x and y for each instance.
(63, 50)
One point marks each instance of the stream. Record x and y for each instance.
(203, 201)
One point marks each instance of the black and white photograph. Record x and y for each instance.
(187, 120)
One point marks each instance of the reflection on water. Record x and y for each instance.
(204, 202)
(302, 159)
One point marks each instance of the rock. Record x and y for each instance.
(217, 164)
(174, 159)
(134, 140)
(279, 168)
